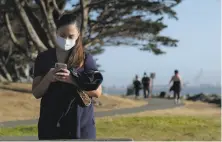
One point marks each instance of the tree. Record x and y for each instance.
(103, 22)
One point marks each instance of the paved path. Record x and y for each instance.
(154, 104)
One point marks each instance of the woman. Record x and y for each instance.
(176, 87)
(62, 113)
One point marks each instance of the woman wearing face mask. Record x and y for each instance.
(62, 113)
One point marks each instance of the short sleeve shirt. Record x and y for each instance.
(79, 122)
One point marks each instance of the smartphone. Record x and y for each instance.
(60, 66)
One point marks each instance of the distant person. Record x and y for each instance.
(146, 85)
(137, 86)
(176, 87)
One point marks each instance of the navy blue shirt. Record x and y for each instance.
(54, 123)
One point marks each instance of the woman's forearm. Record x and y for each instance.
(95, 93)
(40, 88)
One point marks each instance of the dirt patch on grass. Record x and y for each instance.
(18, 86)
(116, 102)
(23, 106)
(18, 106)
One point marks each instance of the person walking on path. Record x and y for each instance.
(176, 87)
(137, 86)
(146, 85)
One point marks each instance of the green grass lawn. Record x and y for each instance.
(145, 128)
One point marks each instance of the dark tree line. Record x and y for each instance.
(28, 27)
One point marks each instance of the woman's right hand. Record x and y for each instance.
(51, 75)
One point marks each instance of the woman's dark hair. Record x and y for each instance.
(76, 57)
(67, 19)
(176, 71)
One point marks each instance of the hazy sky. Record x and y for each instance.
(197, 56)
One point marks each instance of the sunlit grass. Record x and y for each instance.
(145, 128)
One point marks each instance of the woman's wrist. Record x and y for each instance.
(47, 78)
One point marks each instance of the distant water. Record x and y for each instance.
(157, 90)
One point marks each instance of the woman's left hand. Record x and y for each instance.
(64, 76)
(96, 93)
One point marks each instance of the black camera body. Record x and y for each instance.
(87, 80)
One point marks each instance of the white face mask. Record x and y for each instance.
(65, 44)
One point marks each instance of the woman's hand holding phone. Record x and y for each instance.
(62, 73)
(64, 76)
(59, 73)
